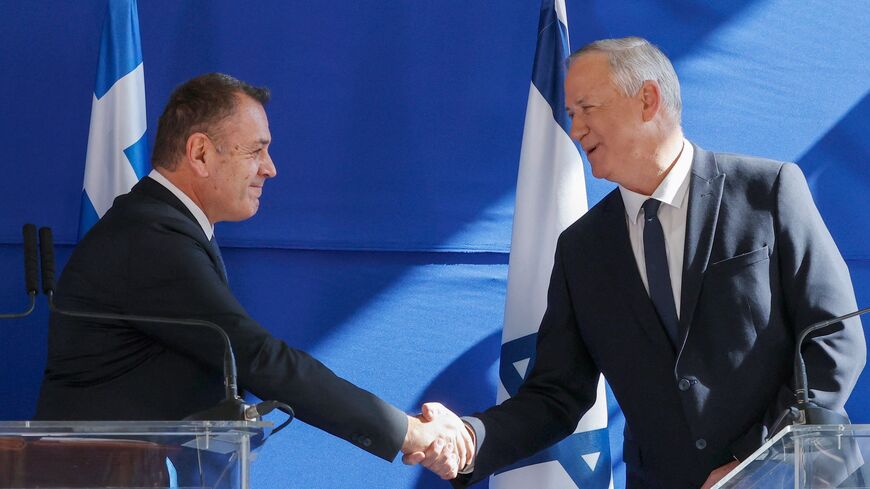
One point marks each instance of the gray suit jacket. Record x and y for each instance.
(759, 266)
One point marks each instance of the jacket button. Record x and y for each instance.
(366, 442)
(701, 444)
(684, 384)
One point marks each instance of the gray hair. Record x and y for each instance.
(634, 60)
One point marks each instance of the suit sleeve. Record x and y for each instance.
(559, 390)
(815, 286)
(183, 281)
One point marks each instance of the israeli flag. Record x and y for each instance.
(117, 148)
(551, 194)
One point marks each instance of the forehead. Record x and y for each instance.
(247, 121)
(588, 74)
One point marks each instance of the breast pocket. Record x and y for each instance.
(742, 260)
(736, 298)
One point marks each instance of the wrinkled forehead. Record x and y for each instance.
(589, 73)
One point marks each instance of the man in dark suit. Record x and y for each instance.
(153, 253)
(686, 287)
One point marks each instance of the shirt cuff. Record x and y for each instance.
(476, 426)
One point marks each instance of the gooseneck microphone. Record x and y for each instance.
(232, 408)
(31, 280)
(814, 414)
(806, 411)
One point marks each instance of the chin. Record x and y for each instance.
(242, 215)
(598, 171)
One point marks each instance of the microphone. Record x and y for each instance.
(807, 412)
(812, 413)
(232, 408)
(31, 283)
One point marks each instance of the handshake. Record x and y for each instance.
(439, 440)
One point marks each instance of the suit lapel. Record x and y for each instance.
(705, 197)
(622, 266)
(149, 187)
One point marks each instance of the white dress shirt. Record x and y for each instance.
(673, 191)
(194, 209)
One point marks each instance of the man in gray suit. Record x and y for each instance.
(686, 287)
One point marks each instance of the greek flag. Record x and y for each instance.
(551, 194)
(117, 147)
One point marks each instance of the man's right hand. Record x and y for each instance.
(439, 440)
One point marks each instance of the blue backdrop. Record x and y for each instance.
(381, 247)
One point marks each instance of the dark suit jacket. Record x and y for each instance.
(759, 266)
(148, 255)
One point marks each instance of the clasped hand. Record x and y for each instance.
(438, 440)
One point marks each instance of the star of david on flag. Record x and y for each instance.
(584, 456)
(117, 148)
(551, 194)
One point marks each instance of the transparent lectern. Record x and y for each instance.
(128, 454)
(807, 457)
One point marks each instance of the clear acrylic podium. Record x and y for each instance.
(807, 457)
(128, 454)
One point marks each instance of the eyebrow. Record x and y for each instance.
(259, 143)
(255, 146)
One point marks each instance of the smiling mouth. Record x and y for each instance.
(591, 150)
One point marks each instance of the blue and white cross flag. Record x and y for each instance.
(551, 194)
(117, 147)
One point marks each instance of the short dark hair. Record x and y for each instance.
(195, 106)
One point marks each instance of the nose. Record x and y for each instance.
(579, 129)
(267, 167)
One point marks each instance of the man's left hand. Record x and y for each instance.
(718, 474)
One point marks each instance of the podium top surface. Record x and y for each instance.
(48, 428)
(792, 431)
(807, 457)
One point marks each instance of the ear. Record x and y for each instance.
(197, 147)
(651, 98)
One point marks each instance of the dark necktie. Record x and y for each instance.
(220, 259)
(657, 275)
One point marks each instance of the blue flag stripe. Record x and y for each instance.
(138, 156)
(88, 215)
(548, 73)
(120, 50)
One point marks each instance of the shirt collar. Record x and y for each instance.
(671, 191)
(194, 209)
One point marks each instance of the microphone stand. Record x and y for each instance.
(811, 413)
(807, 412)
(30, 273)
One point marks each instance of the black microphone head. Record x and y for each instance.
(31, 263)
(46, 255)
